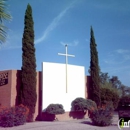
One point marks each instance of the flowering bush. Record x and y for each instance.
(13, 116)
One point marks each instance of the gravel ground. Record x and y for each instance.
(83, 124)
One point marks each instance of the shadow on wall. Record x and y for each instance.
(18, 87)
(48, 117)
(61, 117)
(77, 114)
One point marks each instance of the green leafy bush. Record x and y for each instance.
(102, 117)
(109, 95)
(13, 116)
(91, 105)
(55, 109)
(81, 104)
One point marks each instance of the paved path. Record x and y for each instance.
(64, 125)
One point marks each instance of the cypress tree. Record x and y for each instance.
(94, 70)
(28, 97)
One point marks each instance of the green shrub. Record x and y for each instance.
(91, 105)
(81, 104)
(109, 95)
(13, 116)
(102, 117)
(55, 109)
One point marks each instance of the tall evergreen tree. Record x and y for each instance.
(94, 70)
(28, 96)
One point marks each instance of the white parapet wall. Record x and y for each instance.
(54, 84)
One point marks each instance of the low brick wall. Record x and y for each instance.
(63, 117)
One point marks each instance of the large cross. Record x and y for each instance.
(66, 55)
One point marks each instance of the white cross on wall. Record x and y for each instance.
(66, 55)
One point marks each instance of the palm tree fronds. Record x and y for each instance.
(4, 15)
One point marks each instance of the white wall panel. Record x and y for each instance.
(54, 84)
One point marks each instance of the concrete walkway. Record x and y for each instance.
(84, 124)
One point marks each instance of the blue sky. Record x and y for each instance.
(59, 22)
